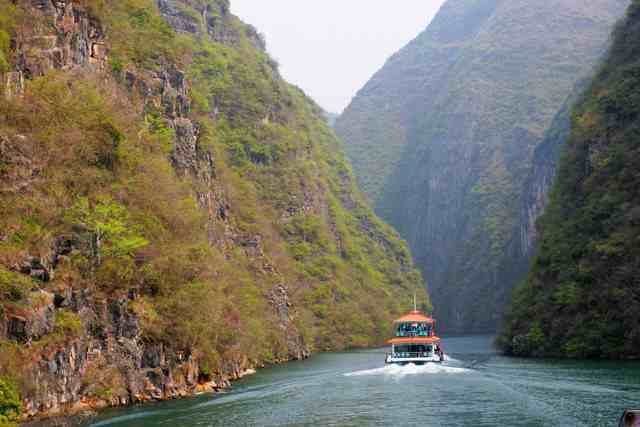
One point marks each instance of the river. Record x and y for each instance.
(478, 387)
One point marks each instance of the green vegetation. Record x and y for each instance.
(8, 21)
(14, 287)
(581, 296)
(277, 145)
(68, 324)
(129, 22)
(10, 404)
(115, 234)
(198, 258)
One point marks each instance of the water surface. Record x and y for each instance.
(477, 388)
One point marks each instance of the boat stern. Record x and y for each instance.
(401, 359)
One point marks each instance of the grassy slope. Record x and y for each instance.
(581, 296)
(79, 149)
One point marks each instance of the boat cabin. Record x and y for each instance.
(415, 340)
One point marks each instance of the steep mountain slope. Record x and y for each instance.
(442, 138)
(582, 295)
(172, 212)
(543, 171)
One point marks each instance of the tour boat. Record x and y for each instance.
(415, 341)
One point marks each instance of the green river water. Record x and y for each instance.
(477, 387)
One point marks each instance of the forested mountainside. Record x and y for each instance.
(172, 212)
(443, 138)
(582, 295)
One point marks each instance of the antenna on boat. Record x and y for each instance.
(415, 307)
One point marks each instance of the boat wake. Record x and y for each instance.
(401, 371)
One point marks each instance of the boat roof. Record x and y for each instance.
(415, 316)
(414, 340)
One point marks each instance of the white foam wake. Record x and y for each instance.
(410, 369)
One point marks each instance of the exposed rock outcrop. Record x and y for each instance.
(543, 171)
(78, 40)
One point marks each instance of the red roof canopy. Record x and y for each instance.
(415, 316)
(414, 340)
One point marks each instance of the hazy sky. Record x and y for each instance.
(330, 48)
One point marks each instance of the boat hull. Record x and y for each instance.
(416, 363)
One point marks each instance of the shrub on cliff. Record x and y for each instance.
(67, 324)
(116, 235)
(10, 403)
(8, 20)
(13, 286)
(131, 21)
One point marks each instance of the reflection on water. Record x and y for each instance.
(476, 387)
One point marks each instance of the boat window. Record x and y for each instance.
(413, 349)
(417, 329)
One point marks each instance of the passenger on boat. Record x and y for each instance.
(414, 330)
(439, 352)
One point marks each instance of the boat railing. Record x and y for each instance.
(411, 355)
(403, 334)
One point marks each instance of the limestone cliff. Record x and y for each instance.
(543, 171)
(443, 138)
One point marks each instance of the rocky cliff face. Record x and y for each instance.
(173, 213)
(115, 366)
(581, 296)
(543, 171)
(443, 140)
